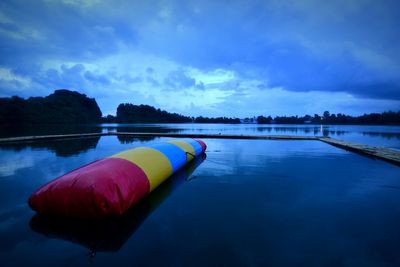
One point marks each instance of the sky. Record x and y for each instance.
(211, 58)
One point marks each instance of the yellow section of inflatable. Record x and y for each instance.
(188, 148)
(155, 164)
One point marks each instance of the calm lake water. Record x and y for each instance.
(248, 203)
(386, 136)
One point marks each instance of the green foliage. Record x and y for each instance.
(216, 120)
(264, 120)
(129, 113)
(385, 118)
(63, 106)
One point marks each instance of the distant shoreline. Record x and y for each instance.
(65, 107)
(183, 123)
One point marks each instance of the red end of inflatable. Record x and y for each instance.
(203, 145)
(113, 184)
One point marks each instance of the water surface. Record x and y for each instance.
(385, 136)
(249, 203)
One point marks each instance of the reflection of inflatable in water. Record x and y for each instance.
(111, 186)
(110, 234)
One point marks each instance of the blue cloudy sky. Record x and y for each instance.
(213, 58)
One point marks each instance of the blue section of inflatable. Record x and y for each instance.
(197, 147)
(176, 155)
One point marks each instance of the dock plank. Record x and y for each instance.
(387, 154)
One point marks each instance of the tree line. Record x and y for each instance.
(64, 106)
(384, 118)
(129, 113)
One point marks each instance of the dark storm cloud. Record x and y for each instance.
(179, 80)
(74, 77)
(336, 46)
(346, 46)
(52, 29)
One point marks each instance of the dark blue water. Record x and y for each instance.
(249, 203)
(385, 136)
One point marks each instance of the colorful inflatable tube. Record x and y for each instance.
(111, 234)
(110, 186)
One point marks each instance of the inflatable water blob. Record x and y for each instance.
(110, 234)
(110, 186)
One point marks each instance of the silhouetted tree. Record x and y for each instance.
(63, 106)
(264, 120)
(385, 118)
(216, 120)
(129, 113)
(326, 115)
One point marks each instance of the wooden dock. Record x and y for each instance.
(387, 154)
